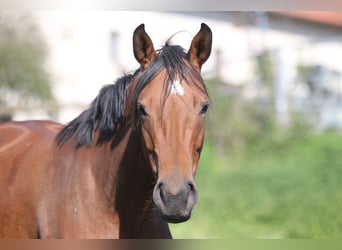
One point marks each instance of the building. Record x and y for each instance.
(89, 49)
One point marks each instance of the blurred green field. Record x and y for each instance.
(289, 189)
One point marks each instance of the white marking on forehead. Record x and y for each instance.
(176, 88)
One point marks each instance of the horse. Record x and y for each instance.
(125, 167)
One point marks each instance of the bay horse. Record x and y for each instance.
(125, 167)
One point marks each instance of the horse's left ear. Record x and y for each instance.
(143, 47)
(200, 47)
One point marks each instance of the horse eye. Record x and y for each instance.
(204, 108)
(141, 109)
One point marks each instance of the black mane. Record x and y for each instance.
(104, 113)
(107, 110)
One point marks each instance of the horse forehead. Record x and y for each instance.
(176, 87)
(161, 89)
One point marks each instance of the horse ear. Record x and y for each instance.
(143, 47)
(200, 47)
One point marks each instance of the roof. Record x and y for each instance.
(333, 18)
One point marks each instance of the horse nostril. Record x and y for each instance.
(191, 186)
(192, 193)
(161, 192)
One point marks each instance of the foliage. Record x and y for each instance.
(234, 122)
(23, 78)
(264, 67)
(287, 189)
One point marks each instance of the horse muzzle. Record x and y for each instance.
(175, 202)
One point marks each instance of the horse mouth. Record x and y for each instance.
(175, 218)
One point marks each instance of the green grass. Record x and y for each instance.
(289, 189)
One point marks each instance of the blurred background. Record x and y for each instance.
(271, 166)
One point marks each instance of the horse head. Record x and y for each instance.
(170, 101)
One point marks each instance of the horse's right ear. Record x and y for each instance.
(143, 47)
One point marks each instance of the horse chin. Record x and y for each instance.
(175, 218)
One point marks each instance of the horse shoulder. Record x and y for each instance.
(24, 153)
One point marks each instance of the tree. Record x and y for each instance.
(24, 81)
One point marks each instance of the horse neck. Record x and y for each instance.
(134, 187)
(122, 171)
(106, 163)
